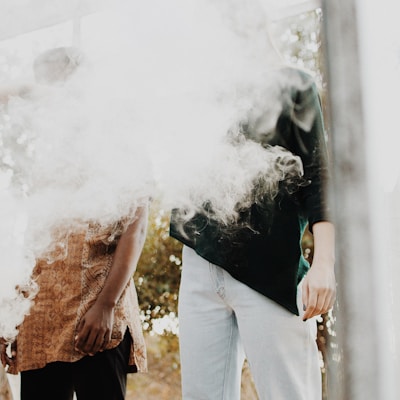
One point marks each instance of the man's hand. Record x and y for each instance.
(94, 330)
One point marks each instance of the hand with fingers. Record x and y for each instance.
(94, 330)
(319, 290)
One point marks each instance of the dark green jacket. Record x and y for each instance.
(268, 257)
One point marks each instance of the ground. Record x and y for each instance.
(162, 382)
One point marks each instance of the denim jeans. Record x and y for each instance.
(222, 322)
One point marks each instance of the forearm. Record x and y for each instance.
(126, 257)
(319, 286)
(324, 244)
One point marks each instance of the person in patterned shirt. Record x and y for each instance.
(83, 333)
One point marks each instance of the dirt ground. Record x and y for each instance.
(162, 382)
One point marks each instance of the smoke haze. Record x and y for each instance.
(146, 115)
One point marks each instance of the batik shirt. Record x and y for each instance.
(69, 279)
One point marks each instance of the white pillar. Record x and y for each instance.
(379, 35)
(354, 369)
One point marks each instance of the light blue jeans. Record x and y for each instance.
(222, 322)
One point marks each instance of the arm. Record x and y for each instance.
(319, 286)
(95, 328)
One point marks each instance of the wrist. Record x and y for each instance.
(107, 304)
(324, 261)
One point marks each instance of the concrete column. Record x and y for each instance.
(353, 367)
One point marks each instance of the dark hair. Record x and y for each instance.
(57, 64)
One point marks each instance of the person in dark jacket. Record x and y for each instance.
(246, 289)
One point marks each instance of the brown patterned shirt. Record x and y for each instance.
(69, 280)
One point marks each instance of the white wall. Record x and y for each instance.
(379, 36)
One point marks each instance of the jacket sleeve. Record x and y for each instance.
(310, 144)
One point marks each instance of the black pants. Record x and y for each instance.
(100, 377)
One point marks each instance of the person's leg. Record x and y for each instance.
(210, 350)
(280, 347)
(103, 376)
(51, 382)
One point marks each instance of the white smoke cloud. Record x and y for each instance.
(147, 114)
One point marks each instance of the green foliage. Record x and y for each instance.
(158, 275)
